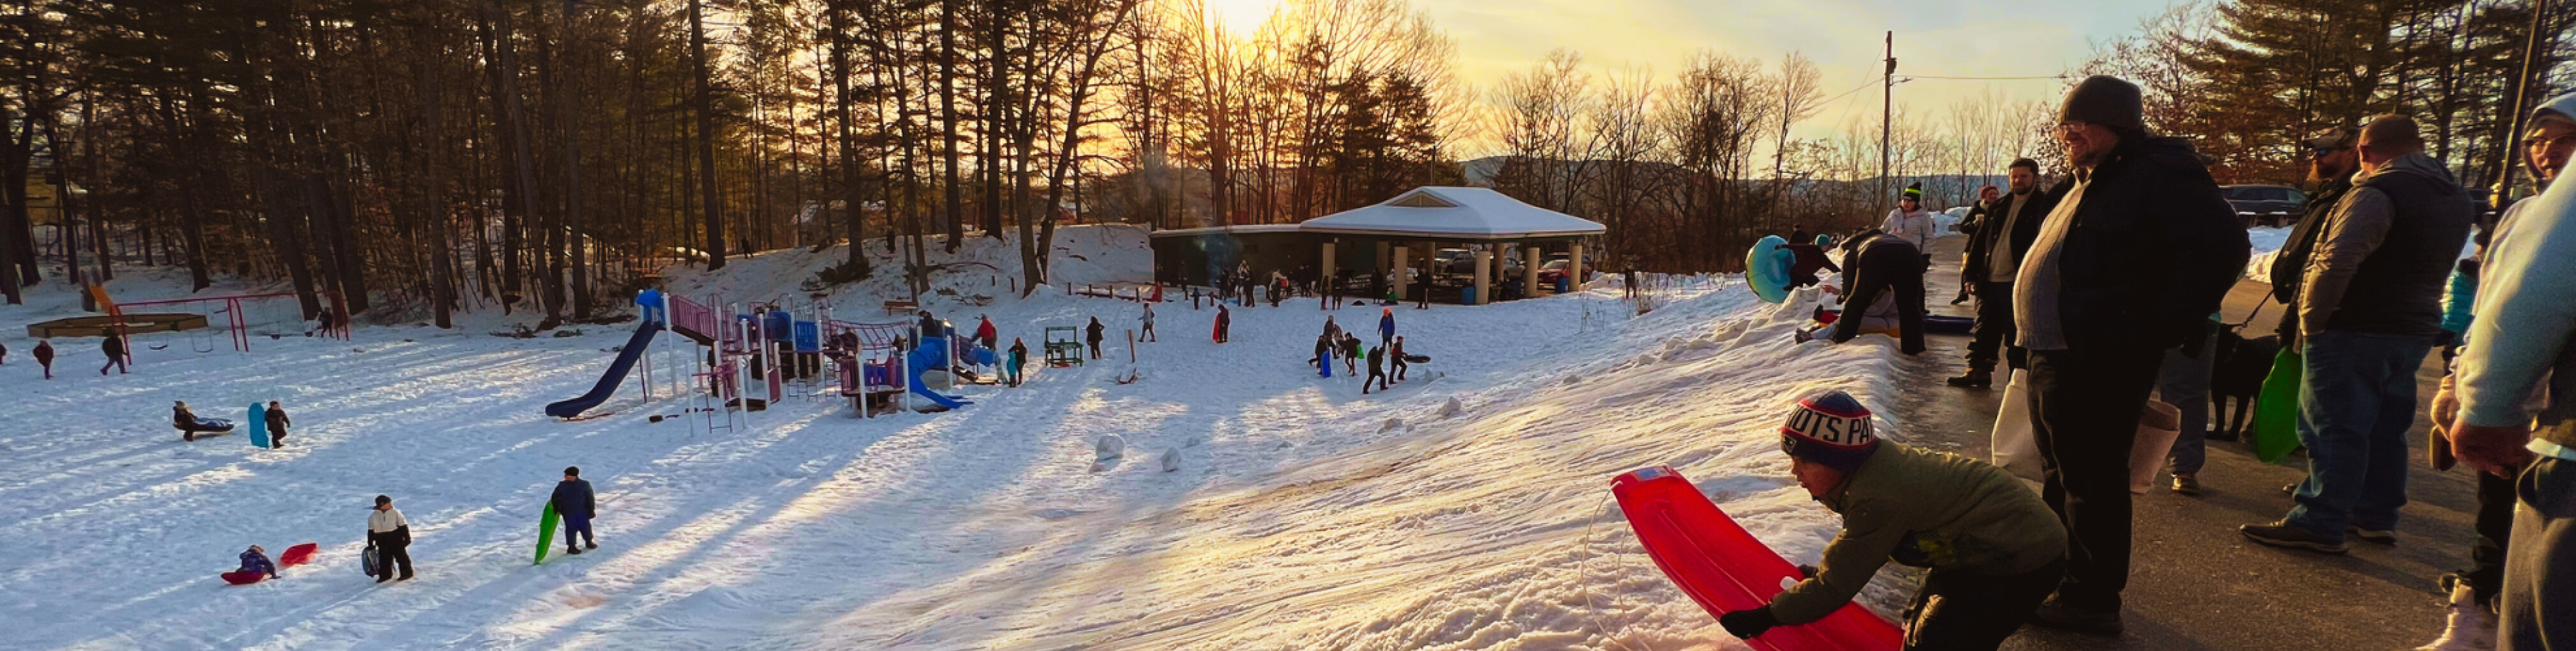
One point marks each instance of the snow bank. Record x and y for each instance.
(1297, 517)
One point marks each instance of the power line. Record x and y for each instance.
(1913, 77)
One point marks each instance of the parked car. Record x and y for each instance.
(1554, 271)
(2267, 205)
(1453, 262)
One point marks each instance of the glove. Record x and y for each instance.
(1806, 571)
(1748, 624)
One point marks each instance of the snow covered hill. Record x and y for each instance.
(1462, 512)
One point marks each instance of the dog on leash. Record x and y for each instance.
(2238, 374)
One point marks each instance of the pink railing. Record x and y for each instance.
(692, 318)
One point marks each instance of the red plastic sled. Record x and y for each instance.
(298, 555)
(243, 577)
(1725, 569)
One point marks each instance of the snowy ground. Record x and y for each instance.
(1304, 515)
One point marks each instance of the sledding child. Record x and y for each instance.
(1323, 351)
(255, 563)
(984, 332)
(277, 422)
(390, 534)
(1994, 549)
(45, 356)
(1019, 362)
(576, 504)
(1377, 370)
(1223, 320)
(1395, 358)
(1385, 326)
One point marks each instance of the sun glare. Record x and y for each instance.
(1241, 16)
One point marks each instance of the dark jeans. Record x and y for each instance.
(1376, 374)
(2540, 573)
(2495, 535)
(577, 525)
(2356, 403)
(1956, 611)
(393, 551)
(1396, 362)
(2084, 415)
(2183, 381)
(116, 362)
(1994, 328)
(1888, 269)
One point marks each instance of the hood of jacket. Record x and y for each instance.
(2418, 164)
(2562, 107)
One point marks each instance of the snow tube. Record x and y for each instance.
(1726, 569)
(1416, 359)
(2276, 410)
(1766, 268)
(1826, 241)
(371, 562)
(1947, 325)
(243, 577)
(205, 424)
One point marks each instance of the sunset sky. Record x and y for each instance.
(1965, 38)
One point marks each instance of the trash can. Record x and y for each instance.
(1466, 296)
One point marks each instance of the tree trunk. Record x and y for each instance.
(706, 137)
(852, 177)
(948, 118)
(285, 231)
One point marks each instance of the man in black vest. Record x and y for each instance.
(1996, 243)
(2331, 162)
(2369, 309)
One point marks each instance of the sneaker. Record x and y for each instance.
(2281, 534)
(1975, 379)
(2056, 614)
(591, 545)
(2186, 484)
(2377, 536)
(574, 551)
(2471, 627)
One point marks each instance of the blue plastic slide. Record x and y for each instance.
(932, 354)
(608, 382)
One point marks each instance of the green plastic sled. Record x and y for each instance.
(546, 531)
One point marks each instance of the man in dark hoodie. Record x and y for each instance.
(574, 502)
(1878, 263)
(2369, 310)
(2331, 164)
(2130, 263)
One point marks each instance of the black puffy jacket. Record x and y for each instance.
(2153, 249)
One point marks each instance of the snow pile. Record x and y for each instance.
(1464, 509)
(2267, 243)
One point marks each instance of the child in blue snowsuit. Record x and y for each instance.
(256, 561)
(574, 502)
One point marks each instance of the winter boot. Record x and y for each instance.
(1977, 378)
(2471, 628)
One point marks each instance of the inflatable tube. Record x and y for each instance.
(1766, 268)
(2276, 410)
(1726, 569)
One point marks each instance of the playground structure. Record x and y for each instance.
(744, 360)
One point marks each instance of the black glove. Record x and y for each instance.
(1748, 624)
(1806, 571)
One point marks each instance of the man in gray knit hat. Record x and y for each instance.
(2131, 262)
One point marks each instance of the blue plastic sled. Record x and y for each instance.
(258, 425)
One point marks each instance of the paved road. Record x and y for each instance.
(2195, 583)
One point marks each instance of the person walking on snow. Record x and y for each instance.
(390, 534)
(1993, 548)
(1019, 362)
(2130, 263)
(1385, 326)
(114, 347)
(1377, 370)
(1910, 222)
(277, 422)
(1395, 359)
(2369, 311)
(45, 356)
(1350, 354)
(576, 504)
(1223, 320)
(1149, 322)
(254, 561)
(2525, 552)
(1324, 346)
(1092, 333)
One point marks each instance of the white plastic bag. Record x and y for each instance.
(2013, 445)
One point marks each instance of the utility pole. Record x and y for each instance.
(1886, 116)
(2521, 103)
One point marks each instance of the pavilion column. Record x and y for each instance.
(1324, 275)
(1484, 277)
(1529, 271)
(1398, 273)
(1574, 267)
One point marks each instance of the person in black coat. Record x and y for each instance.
(2130, 263)
(1092, 334)
(1997, 242)
(1377, 369)
(45, 356)
(114, 347)
(277, 422)
(1878, 262)
(574, 502)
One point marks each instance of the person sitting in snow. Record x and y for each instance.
(255, 562)
(1993, 547)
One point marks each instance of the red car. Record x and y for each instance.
(1553, 272)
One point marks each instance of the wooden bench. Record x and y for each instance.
(901, 307)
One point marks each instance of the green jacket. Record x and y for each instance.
(1925, 509)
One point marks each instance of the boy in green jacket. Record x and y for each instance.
(1995, 550)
